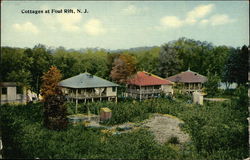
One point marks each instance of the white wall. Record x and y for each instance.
(110, 92)
(167, 89)
(11, 93)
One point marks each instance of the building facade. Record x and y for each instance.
(188, 81)
(144, 85)
(88, 88)
(10, 92)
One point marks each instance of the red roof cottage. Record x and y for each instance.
(144, 85)
(188, 81)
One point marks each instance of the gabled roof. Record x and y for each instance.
(147, 79)
(86, 80)
(188, 77)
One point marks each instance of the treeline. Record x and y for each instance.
(27, 65)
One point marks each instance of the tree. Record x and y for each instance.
(216, 59)
(14, 64)
(169, 62)
(41, 60)
(50, 82)
(242, 77)
(148, 61)
(54, 109)
(123, 68)
(211, 86)
(65, 61)
(22, 76)
(236, 68)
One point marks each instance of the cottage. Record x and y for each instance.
(144, 85)
(86, 87)
(10, 92)
(188, 81)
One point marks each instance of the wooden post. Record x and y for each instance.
(88, 114)
(76, 100)
(100, 94)
(140, 93)
(116, 99)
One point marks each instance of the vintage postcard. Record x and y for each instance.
(124, 80)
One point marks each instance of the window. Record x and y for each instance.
(113, 89)
(4, 90)
(19, 90)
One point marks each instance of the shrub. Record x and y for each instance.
(173, 140)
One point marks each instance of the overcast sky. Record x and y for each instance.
(122, 25)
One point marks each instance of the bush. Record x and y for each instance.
(173, 140)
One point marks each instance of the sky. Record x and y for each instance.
(123, 24)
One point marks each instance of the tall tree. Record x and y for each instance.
(41, 60)
(230, 69)
(236, 68)
(148, 61)
(123, 68)
(54, 109)
(169, 62)
(242, 77)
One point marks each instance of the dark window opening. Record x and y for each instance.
(113, 89)
(19, 90)
(4, 90)
(79, 91)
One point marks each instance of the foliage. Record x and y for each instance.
(14, 66)
(25, 137)
(173, 140)
(54, 109)
(148, 60)
(212, 84)
(169, 63)
(236, 68)
(27, 65)
(50, 82)
(123, 68)
(201, 57)
(242, 99)
(217, 130)
(41, 60)
(55, 112)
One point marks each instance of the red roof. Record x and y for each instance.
(188, 77)
(147, 79)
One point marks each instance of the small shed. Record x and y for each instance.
(198, 98)
(105, 114)
(11, 92)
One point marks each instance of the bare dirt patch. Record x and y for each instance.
(166, 126)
